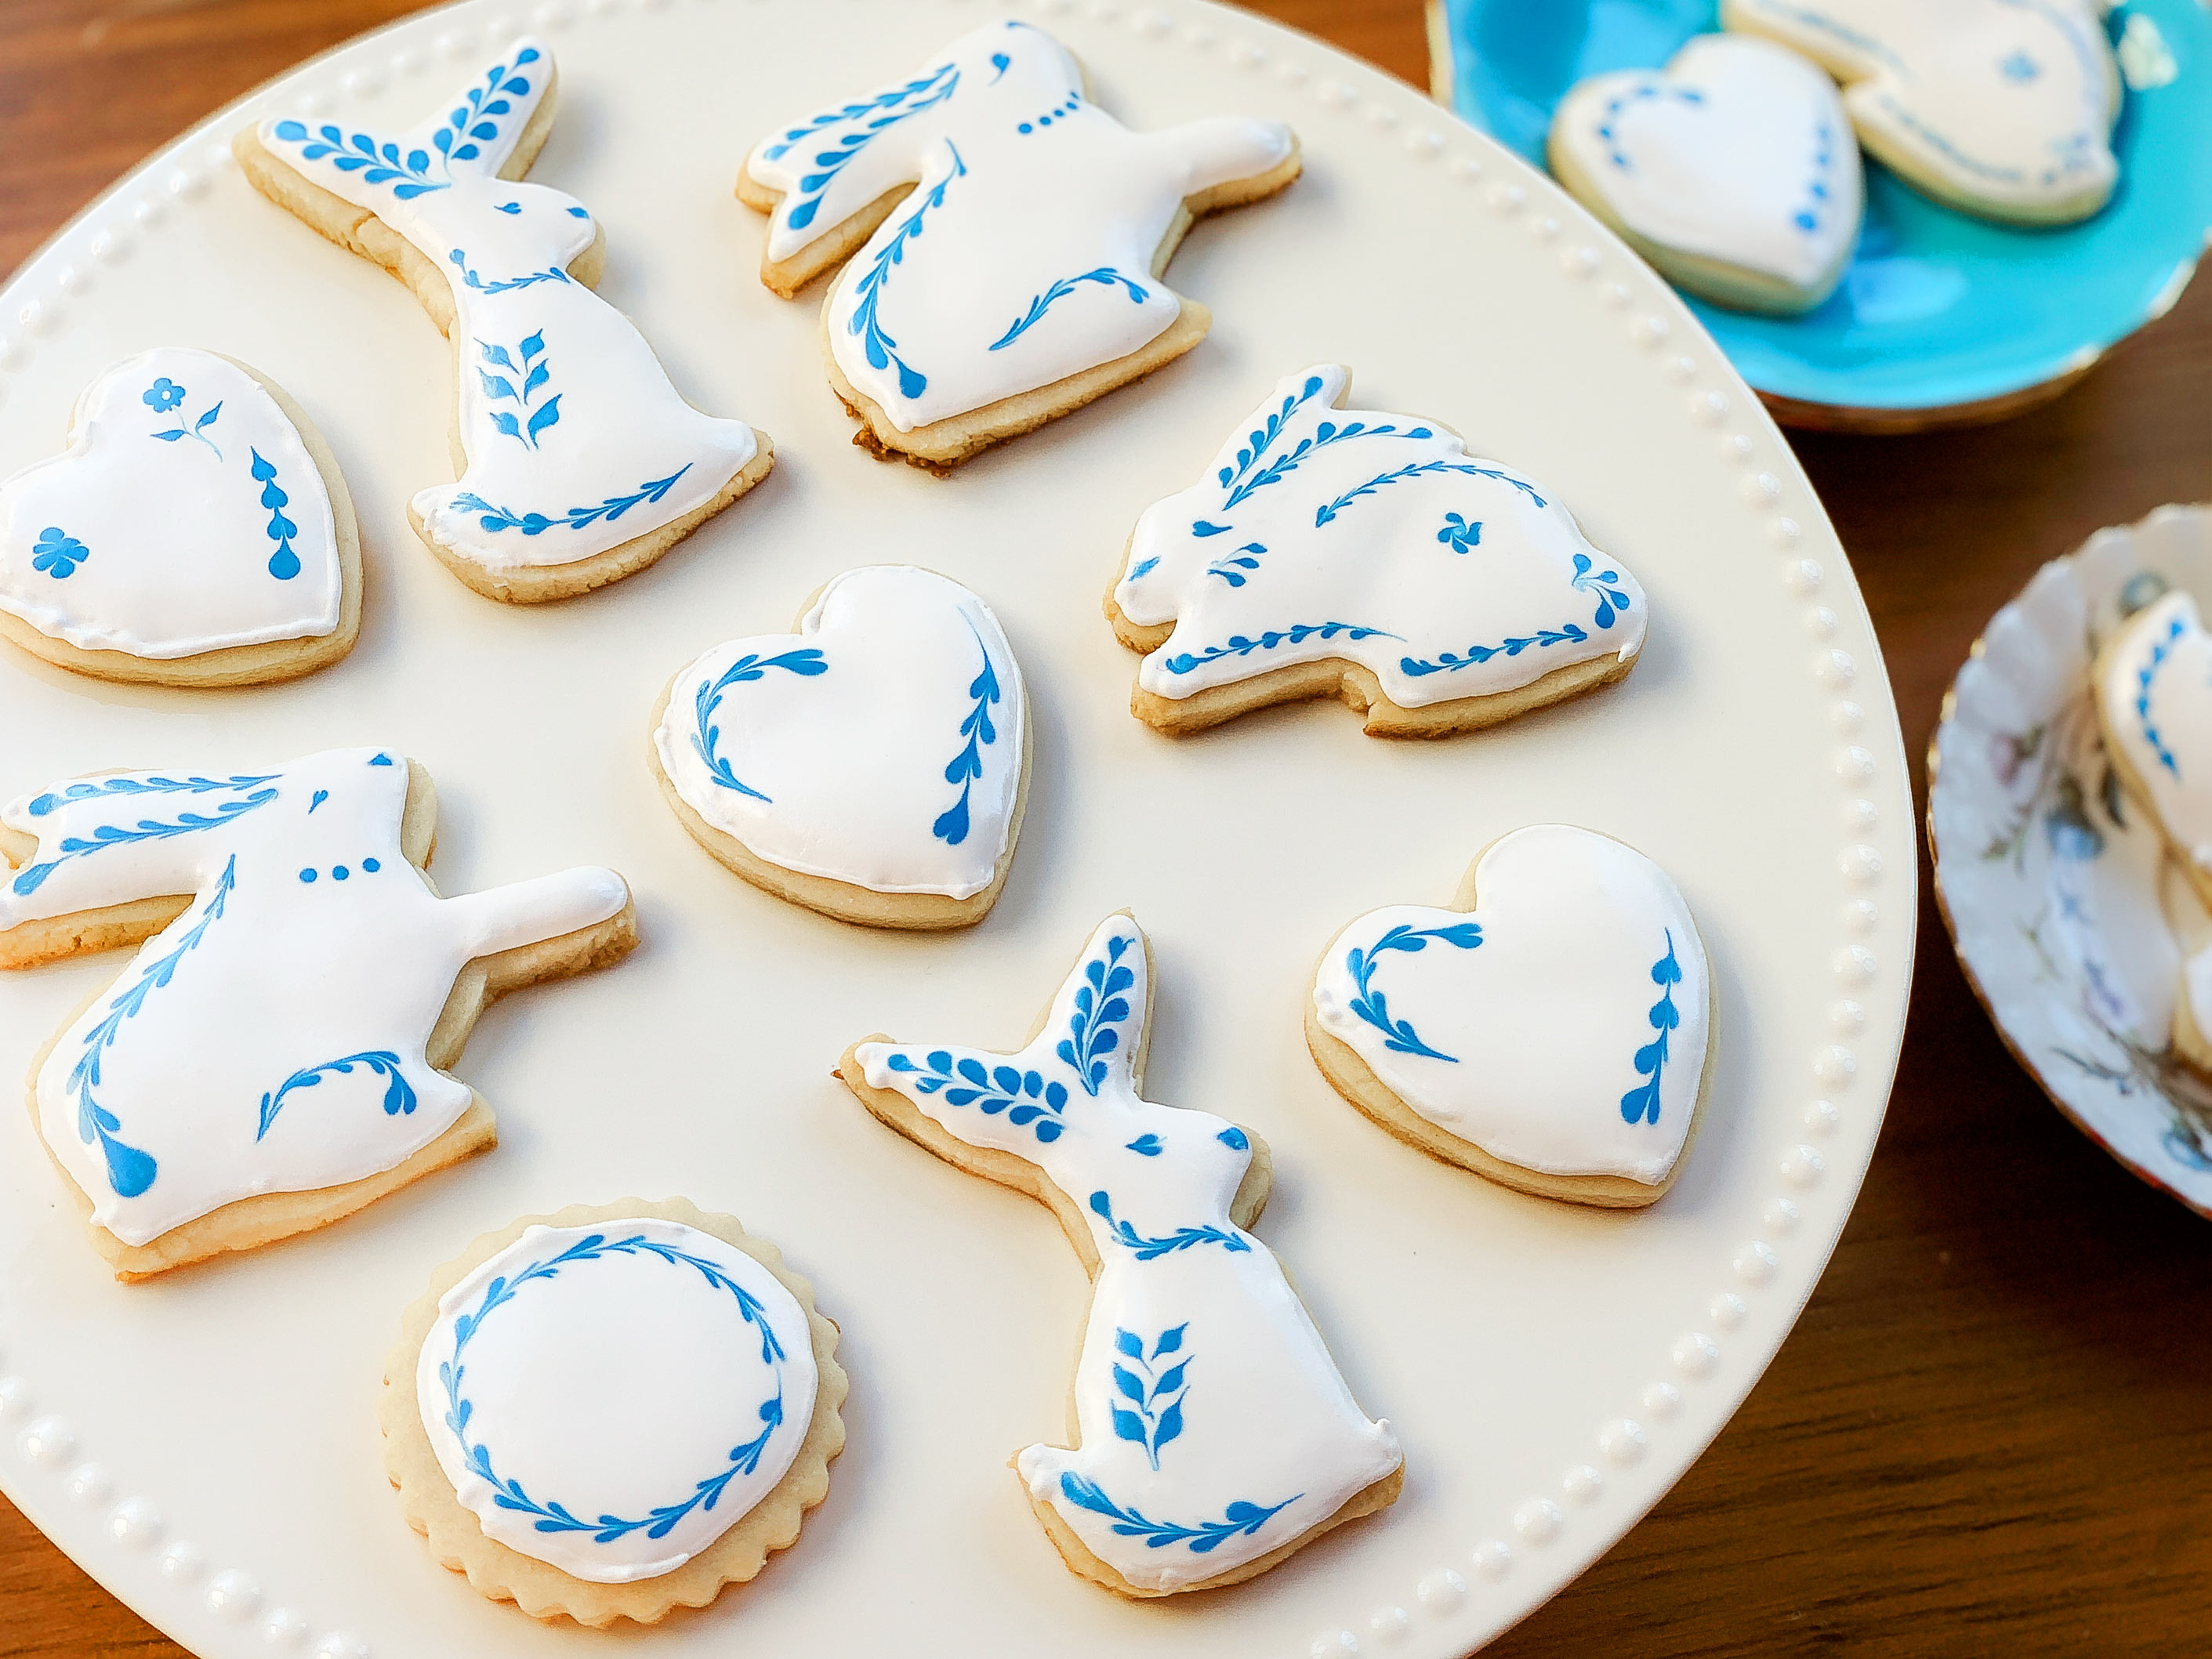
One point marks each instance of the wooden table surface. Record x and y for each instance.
(1987, 1433)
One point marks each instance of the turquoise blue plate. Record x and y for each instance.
(1938, 312)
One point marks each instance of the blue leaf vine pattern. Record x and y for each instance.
(1232, 567)
(1641, 1104)
(1611, 601)
(1239, 481)
(1153, 1414)
(1449, 662)
(107, 788)
(533, 371)
(30, 879)
(556, 1518)
(1243, 645)
(1203, 1538)
(399, 1098)
(496, 519)
(473, 123)
(1027, 1098)
(197, 431)
(506, 284)
(1101, 1009)
(1152, 1248)
(2160, 649)
(866, 320)
(130, 1171)
(460, 137)
(283, 563)
(1106, 276)
(967, 767)
(57, 553)
(1330, 511)
(876, 115)
(806, 662)
(1399, 1036)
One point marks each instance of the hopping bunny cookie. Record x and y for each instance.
(1553, 1035)
(1021, 277)
(2002, 108)
(872, 766)
(580, 463)
(706, 1434)
(1733, 171)
(1215, 1435)
(273, 1058)
(1367, 557)
(195, 531)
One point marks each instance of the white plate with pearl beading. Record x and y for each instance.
(2069, 916)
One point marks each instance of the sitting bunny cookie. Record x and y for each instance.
(195, 531)
(1551, 1031)
(273, 1057)
(1733, 171)
(1021, 277)
(581, 463)
(1366, 556)
(2002, 108)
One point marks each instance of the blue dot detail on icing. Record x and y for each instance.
(371, 866)
(307, 875)
(340, 873)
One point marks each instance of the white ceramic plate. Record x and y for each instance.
(205, 1445)
(2069, 917)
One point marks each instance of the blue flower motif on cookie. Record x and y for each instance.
(164, 395)
(57, 553)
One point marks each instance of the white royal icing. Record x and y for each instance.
(881, 745)
(1561, 1025)
(1325, 532)
(1024, 255)
(576, 442)
(186, 515)
(1738, 151)
(611, 1399)
(2008, 101)
(2154, 686)
(270, 1039)
(1214, 1427)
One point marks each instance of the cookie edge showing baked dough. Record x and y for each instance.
(1352, 684)
(845, 901)
(247, 1223)
(358, 230)
(895, 1111)
(265, 663)
(1352, 1078)
(456, 1540)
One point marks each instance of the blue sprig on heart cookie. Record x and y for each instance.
(1551, 1032)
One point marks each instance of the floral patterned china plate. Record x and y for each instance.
(2070, 920)
(206, 1444)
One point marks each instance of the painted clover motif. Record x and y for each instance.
(58, 553)
(164, 395)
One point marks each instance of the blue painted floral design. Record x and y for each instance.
(398, 1094)
(164, 395)
(806, 662)
(106, 788)
(1106, 276)
(130, 1171)
(1150, 1412)
(283, 563)
(554, 1517)
(1234, 568)
(495, 519)
(1326, 433)
(1327, 511)
(2160, 649)
(876, 116)
(197, 431)
(532, 372)
(1203, 1538)
(57, 553)
(1243, 645)
(1449, 662)
(1152, 1248)
(507, 284)
(1458, 534)
(966, 767)
(473, 123)
(1606, 584)
(1027, 1098)
(1371, 1005)
(1641, 1104)
(30, 879)
(866, 322)
(1101, 1009)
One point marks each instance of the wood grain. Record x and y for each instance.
(1986, 1434)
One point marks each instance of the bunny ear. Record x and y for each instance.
(1097, 1027)
(478, 131)
(1298, 403)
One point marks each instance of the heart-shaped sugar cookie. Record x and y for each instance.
(871, 765)
(194, 532)
(1553, 1036)
(1734, 170)
(2154, 687)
